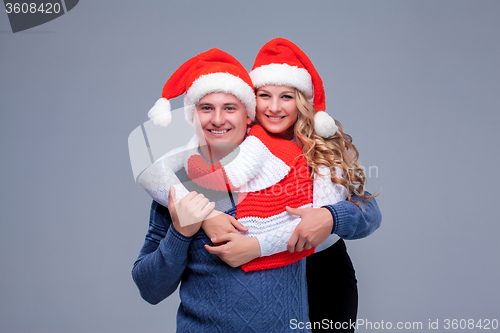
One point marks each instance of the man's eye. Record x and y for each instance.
(206, 108)
(230, 108)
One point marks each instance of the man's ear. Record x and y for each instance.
(249, 121)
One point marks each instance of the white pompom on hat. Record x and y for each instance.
(208, 72)
(282, 63)
(324, 125)
(160, 112)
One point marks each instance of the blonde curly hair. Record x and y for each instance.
(332, 152)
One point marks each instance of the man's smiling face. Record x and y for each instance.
(222, 120)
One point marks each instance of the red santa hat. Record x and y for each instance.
(208, 72)
(282, 63)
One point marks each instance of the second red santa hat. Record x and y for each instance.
(282, 63)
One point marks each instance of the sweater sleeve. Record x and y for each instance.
(325, 192)
(276, 241)
(351, 222)
(158, 177)
(163, 257)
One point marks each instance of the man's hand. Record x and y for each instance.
(188, 213)
(236, 250)
(217, 224)
(314, 228)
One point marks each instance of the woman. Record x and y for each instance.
(285, 80)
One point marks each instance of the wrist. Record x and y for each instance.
(175, 243)
(255, 247)
(328, 218)
(188, 231)
(178, 234)
(213, 213)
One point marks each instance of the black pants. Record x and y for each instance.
(332, 289)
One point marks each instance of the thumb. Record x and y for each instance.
(222, 238)
(294, 211)
(238, 225)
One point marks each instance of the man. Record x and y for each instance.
(216, 296)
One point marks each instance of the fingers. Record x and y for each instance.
(190, 196)
(197, 204)
(300, 244)
(194, 198)
(205, 210)
(199, 201)
(171, 198)
(210, 207)
(238, 225)
(297, 243)
(217, 250)
(292, 242)
(191, 209)
(201, 209)
(293, 211)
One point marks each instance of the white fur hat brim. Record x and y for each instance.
(283, 75)
(219, 82)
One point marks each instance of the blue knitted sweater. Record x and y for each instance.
(214, 296)
(218, 298)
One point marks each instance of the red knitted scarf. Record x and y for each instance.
(295, 190)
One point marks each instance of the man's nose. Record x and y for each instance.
(218, 118)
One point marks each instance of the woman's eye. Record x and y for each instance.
(287, 97)
(264, 95)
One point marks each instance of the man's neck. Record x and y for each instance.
(215, 152)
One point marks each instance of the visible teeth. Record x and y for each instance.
(218, 132)
(275, 118)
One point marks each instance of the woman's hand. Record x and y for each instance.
(189, 212)
(236, 250)
(314, 228)
(217, 224)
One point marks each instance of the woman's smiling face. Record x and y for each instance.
(277, 110)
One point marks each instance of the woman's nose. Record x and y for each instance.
(275, 105)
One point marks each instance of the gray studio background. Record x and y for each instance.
(416, 83)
